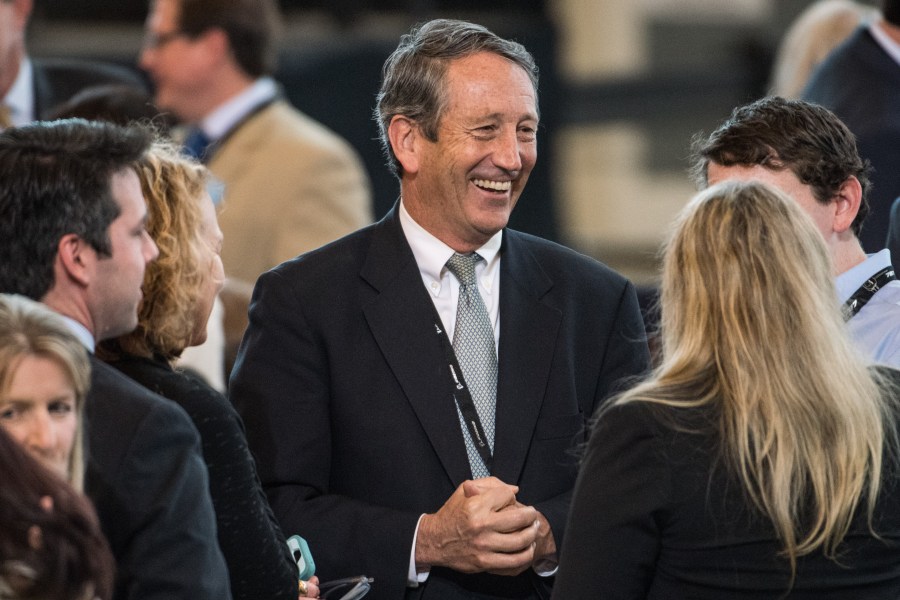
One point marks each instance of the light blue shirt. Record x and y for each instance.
(876, 327)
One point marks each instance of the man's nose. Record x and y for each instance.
(508, 151)
(146, 58)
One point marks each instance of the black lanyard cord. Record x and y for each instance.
(463, 398)
(865, 292)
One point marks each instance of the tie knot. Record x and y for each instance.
(196, 143)
(463, 266)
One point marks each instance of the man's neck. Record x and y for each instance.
(846, 254)
(229, 86)
(62, 304)
(892, 31)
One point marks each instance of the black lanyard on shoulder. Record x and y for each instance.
(865, 292)
(461, 395)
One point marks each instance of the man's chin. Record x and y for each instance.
(119, 329)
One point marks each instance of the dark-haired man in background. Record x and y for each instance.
(808, 153)
(72, 235)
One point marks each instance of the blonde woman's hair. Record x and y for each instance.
(817, 31)
(172, 185)
(751, 327)
(28, 328)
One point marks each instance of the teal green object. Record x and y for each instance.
(303, 557)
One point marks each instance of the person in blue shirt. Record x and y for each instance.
(806, 151)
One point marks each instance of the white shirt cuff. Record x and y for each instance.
(413, 579)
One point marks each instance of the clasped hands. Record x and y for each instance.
(483, 528)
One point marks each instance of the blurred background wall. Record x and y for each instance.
(625, 84)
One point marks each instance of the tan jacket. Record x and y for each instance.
(291, 185)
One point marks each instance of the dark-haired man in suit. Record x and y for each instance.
(72, 235)
(414, 391)
(32, 89)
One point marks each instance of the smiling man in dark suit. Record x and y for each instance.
(382, 380)
(73, 235)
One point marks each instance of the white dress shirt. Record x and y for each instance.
(218, 122)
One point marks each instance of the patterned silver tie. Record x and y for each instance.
(473, 342)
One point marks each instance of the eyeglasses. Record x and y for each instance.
(352, 588)
(158, 40)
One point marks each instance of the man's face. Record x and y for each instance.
(176, 63)
(785, 180)
(466, 184)
(13, 18)
(115, 287)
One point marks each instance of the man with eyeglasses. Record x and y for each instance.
(291, 185)
(32, 89)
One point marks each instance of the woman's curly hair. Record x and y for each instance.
(172, 185)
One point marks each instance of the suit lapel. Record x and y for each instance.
(401, 318)
(528, 332)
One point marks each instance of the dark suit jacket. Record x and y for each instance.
(260, 566)
(860, 83)
(146, 477)
(656, 515)
(342, 386)
(56, 80)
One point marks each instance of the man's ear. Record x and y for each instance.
(847, 202)
(23, 10)
(405, 137)
(75, 258)
(216, 45)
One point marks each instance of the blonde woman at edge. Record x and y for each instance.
(44, 378)
(820, 28)
(760, 459)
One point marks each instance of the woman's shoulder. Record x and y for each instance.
(659, 418)
(182, 388)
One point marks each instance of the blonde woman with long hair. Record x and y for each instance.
(760, 459)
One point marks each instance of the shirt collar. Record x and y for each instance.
(432, 254)
(891, 47)
(20, 98)
(225, 116)
(851, 280)
(81, 332)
